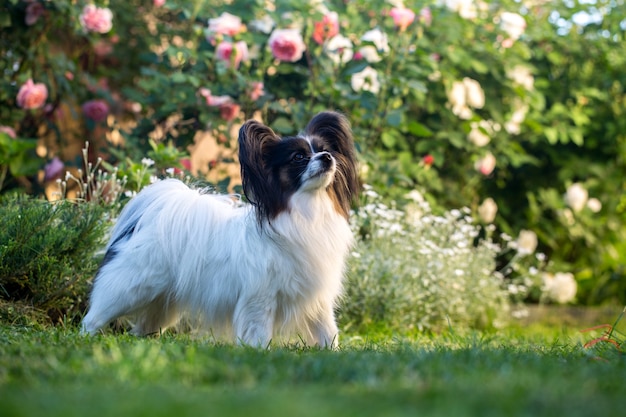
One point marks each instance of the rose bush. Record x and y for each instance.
(509, 103)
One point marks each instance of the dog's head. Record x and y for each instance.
(320, 159)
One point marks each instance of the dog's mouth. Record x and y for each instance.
(320, 172)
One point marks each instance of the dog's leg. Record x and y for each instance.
(118, 292)
(324, 329)
(156, 317)
(253, 322)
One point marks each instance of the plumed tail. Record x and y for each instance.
(130, 217)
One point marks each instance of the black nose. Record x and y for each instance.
(326, 156)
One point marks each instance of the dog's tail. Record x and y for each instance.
(131, 219)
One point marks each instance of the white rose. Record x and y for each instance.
(526, 242)
(366, 80)
(263, 25)
(594, 205)
(576, 196)
(487, 210)
(513, 24)
(474, 94)
(371, 52)
(478, 136)
(521, 75)
(465, 8)
(513, 125)
(560, 287)
(339, 49)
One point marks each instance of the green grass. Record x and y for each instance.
(56, 372)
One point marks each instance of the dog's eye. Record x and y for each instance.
(298, 157)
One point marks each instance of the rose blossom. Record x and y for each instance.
(402, 17)
(513, 24)
(32, 95)
(465, 8)
(287, 45)
(474, 94)
(326, 28)
(225, 50)
(339, 49)
(560, 287)
(229, 110)
(366, 80)
(594, 205)
(226, 24)
(426, 16)
(96, 110)
(487, 210)
(576, 196)
(9, 131)
(526, 242)
(158, 3)
(96, 19)
(33, 12)
(256, 90)
(521, 75)
(486, 164)
(371, 52)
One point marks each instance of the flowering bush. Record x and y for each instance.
(510, 102)
(412, 269)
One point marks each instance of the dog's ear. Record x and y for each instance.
(255, 140)
(334, 129)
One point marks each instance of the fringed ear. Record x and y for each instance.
(256, 179)
(334, 129)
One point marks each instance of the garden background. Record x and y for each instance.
(491, 136)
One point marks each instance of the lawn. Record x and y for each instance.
(523, 371)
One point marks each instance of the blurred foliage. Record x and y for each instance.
(552, 113)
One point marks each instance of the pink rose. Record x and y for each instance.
(96, 110)
(32, 95)
(486, 164)
(402, 17)
(96, 19)
(33, 12)
(226, 24)
(9, 131)
(229, 110)
(425, 16)
(256, 90)
(229, 52)
(158, 3)
(53, 169)
(211, 100)
(287, 45)
(327, 28)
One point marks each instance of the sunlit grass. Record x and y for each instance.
(536, 371)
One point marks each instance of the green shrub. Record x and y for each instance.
(46, 257)
(412, 269)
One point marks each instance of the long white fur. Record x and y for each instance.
(206, 255)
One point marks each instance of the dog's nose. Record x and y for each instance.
(326, 156)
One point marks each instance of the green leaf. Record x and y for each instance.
(283, 125)
(418, 129)
(552, 134)
(394, 117)
(389, 138)
(178, 78)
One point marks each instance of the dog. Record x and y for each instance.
(255, 271)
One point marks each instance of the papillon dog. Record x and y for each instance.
(269, 268)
